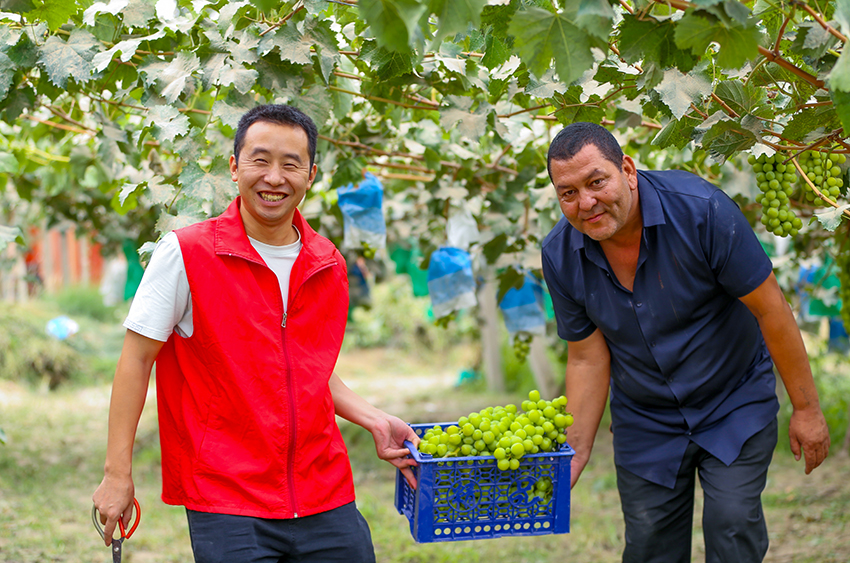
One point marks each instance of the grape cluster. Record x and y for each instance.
(824, 171)
(503, 432)
(445, 320)
(776, 181)
(522, 345)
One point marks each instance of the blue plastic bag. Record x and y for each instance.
(362, 214)
(524, 309)
(62, 327)
(451, 284)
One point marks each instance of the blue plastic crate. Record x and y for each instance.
(468, 498)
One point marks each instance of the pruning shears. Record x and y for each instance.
(125, 535)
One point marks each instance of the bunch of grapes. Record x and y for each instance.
(776, 181)
(504, 433)
(522, 345)
(824, 171)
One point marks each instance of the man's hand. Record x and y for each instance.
(113, 500)
(809, 436)
(389, 434)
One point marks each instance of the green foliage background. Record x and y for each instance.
(119, 115)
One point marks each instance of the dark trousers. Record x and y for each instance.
(659, 521)
(339, 535)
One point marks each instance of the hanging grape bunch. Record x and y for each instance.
(776, 181)
(503, 432)
(522, 345)
(824, 171)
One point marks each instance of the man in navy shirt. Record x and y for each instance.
(669, 304)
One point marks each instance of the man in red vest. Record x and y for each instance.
(244, 315)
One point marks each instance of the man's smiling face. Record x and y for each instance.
(273, 174)
(595, 195)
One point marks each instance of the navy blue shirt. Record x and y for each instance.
(688, 360)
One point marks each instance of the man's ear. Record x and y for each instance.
(630, 170)
(233, 168)
(312, 177)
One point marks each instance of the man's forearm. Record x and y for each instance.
(351, 406)
(129, 391)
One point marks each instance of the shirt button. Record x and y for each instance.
(638, 303)
(652, 344)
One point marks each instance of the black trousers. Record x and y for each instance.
(340, 535)
(659, 521)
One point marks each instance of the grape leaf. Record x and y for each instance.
(54, 12)
(676, 133)
(8, 163)
(571, 108)
(230, 15)
(595, 16)
(228, 114)
(9, 235)
(495, 52)
(652, 40)
(315, 102)
(114, 7)
(69, 59)
(472, 124)
(832, 217)
(839, 77)
(386, 64)
(168, 222)
(167, 122)
(282, 78)
(171, 76)
(678, 91)
(158, 192)
(455, 16)
(127, 48)
(738, 44)
(743, 98)
(206, 186)
(125, 192)
(138, 13)
(812, 40)
(290, 43)
(244, 50)
(726, 138)
(241, 78)
(7, 74)
(841, 104)
(540, 35)
(394, 23)
(510, 278)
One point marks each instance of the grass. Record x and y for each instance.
(56, 441)
(53, 461)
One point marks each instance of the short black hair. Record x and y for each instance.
(282, 115)
(575, 136)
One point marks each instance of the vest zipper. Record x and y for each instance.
(293, 419)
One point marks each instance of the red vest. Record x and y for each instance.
(247, 423)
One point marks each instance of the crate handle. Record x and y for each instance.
(415, 453)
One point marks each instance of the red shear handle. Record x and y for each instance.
(125, 534)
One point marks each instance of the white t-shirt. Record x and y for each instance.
(163, 301)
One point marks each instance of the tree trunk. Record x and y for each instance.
(548, 383)
(490, 337)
